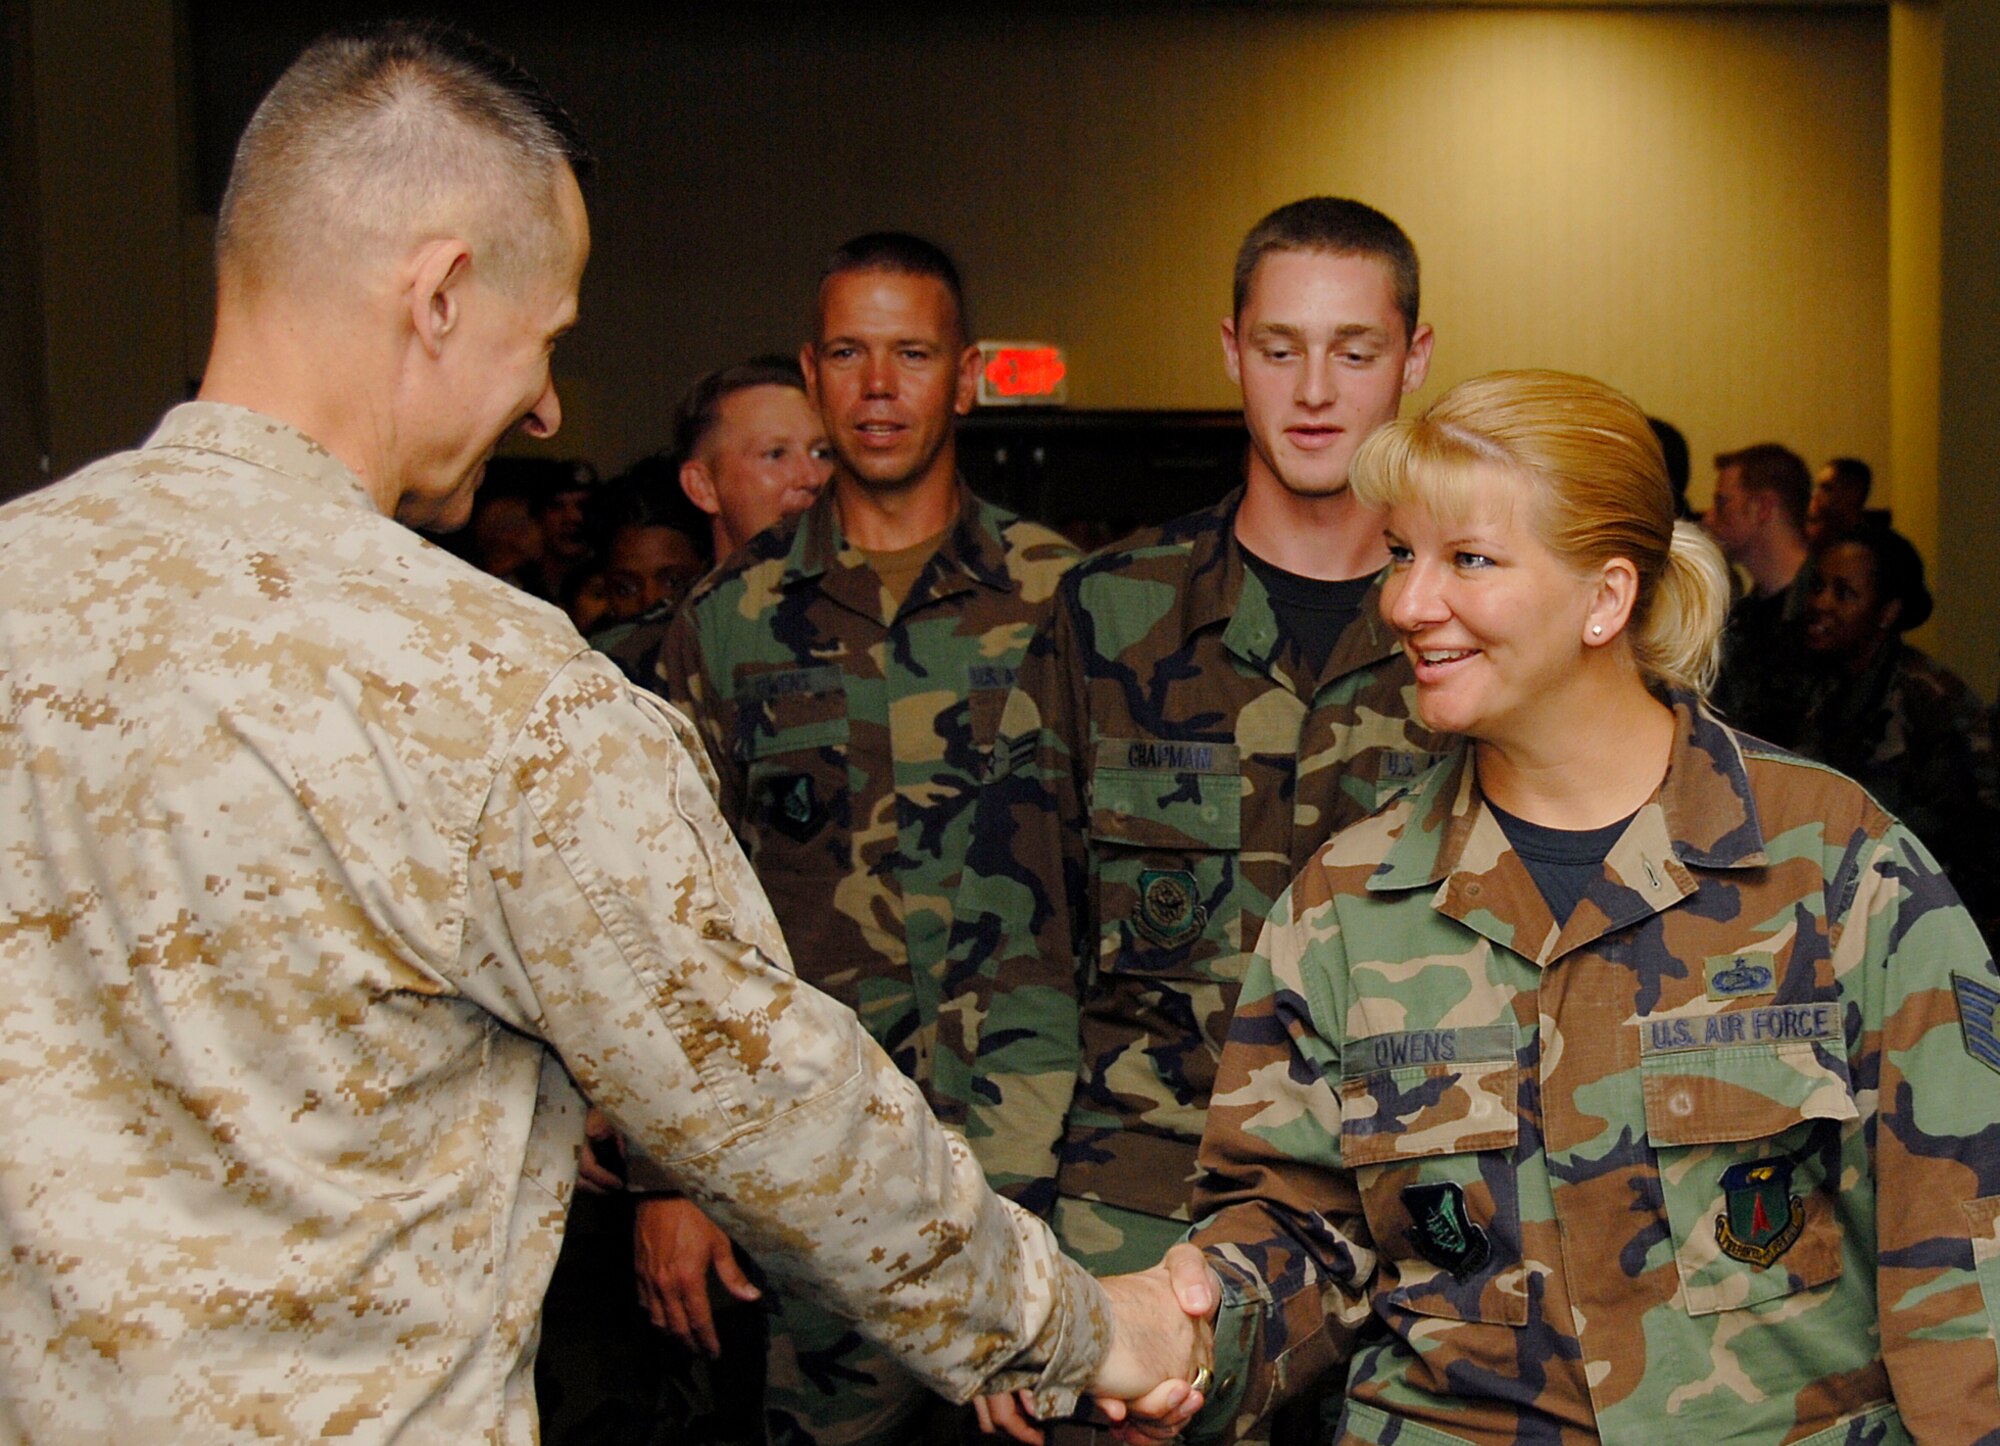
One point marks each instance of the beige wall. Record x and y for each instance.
(1966, 577)
(1690, 204)
(1693, 203)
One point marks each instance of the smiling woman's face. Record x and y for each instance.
(1492, 619)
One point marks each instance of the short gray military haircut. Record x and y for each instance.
(380, 134)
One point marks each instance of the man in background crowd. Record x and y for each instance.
(748, 451)
(1839, 506)
(1208, 702)
(752, 448)
(1758, 517)
(846, 670)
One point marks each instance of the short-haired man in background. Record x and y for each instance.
(1207, 704)
(751, 447)
(338, 873)
(1839, 505)
(748, 451)
(847, 671)
(1758, 518)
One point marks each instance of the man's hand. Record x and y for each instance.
(674, 1246)
(1164, 1319)
(600, 1146)
(1164, 1345)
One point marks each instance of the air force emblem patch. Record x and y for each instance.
(1441, 1230)
(1761, 1218)
(790, 806)
(1167, 912)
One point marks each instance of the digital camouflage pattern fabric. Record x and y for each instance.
(1164, 771)
(333, 869)
(1719, 1159)
(849, 734)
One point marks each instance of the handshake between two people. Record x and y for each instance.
(1150, 1384)
(1155, 1376)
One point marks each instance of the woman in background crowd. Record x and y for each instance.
(1895, 720)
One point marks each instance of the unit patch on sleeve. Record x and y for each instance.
(1761, 1218)
(1977, 1003)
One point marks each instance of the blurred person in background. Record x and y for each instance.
(1896, 720)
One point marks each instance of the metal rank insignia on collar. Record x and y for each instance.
(1442, 1231)
(1761, 1218)
(1168, 913)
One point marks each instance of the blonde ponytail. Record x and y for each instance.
(1678, 640)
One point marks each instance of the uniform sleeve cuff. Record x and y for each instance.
(1239, 1332)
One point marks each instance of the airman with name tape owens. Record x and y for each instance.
(847, 670)
(1207, 703)
(1629, 1080)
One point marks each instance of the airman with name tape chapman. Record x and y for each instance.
(1208, 703)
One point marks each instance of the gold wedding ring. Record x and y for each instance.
(1201, 1379)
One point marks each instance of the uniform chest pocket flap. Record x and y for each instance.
(1749, 1136)
(790, 710)
(1430, 1126)
(1165, 825)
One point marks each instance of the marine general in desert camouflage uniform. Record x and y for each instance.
(1180, 743)
(334, 869)
(1712, 1153)
(847, 671)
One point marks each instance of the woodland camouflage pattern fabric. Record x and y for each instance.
(850, 736)
(330, 862)
(1717, 1161)
(1163, 773)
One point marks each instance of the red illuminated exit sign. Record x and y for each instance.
(1021, 374)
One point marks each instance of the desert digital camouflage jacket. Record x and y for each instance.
(850, 735)
(1163, 773)
(1719, 1160)
(329, 864)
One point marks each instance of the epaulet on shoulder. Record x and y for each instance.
(1365, 843)
(1143, 547)
(774, 544)
(1022, 533)
(1874, 817)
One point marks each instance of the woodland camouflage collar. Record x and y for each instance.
(1702, 815)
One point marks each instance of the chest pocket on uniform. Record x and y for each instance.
(1748, 1132)
(1430, 1125)
(1165, 841)
(791, 731)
